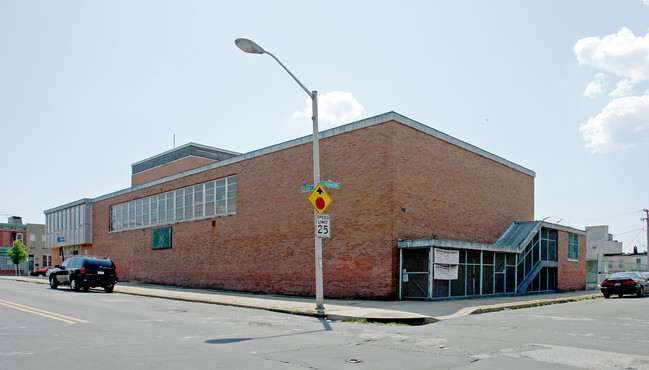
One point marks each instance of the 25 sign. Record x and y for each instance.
(322, 225)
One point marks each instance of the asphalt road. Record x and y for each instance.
(102, 331)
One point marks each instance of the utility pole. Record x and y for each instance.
(646, 219)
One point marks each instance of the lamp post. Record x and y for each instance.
(251, 47)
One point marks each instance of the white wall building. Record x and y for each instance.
(599, 242)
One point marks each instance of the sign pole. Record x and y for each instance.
(251, 47)
(319, 294)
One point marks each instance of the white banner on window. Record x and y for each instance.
(447, 256)
(445, 272)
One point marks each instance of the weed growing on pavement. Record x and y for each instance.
(366, 321)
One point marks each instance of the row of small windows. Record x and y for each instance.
(210, 199)
(65, 219)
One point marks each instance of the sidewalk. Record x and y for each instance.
(408, 312)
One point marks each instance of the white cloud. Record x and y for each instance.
(623, 124)
(334, 107)
(646, 2)
(623, 88)
(597, 87)
(622, 54)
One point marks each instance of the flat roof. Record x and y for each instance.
(187, 150)
(68, 205)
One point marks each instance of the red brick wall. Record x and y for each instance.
(5, 241)
(572, 274)
(169, 169)
(453, 193)
(268, 245)
(5, 236)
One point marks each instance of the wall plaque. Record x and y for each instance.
(161, 238)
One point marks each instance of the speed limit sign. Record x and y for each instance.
(322, 225)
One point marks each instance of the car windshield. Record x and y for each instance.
(619, 275)
(99, 262)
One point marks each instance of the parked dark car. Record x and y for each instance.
(85, 272)
(621, 283)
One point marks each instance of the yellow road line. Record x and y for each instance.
(39, 312)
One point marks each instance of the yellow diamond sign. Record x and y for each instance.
(319, 199)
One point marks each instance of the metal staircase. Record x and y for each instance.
(522, 287)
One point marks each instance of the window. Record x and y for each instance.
(47, 260)
(638, 261)
(573, 247)
(232, 195)
(131, 214)
(209, 199)
(198, 201)
(189, 203)
(548, 245)
(113, 218)
(162, 209)
(124, 208)
(145, 211)
(154, 210)
(138, 213)
(220, 197)
(179, 205)
(170, 206)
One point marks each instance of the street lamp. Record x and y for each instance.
(251, 47)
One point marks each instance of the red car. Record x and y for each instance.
(40, 272)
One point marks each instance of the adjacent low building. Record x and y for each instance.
(418, 214)
(11, 231)
(619, 262)
(32, 236)
(39, 256)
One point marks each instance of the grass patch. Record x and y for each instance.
(405, 322)
(366, 321)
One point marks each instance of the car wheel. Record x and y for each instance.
(606, 295)
(109, 288)
(640, 292)
(53, 283)
(74, 285)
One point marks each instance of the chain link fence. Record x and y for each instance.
(595, 276)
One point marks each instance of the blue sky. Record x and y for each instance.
(561, 87)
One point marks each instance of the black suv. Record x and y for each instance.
(85, 272)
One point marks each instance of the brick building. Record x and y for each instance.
(200, 216)
(32, 236)
(13, 230)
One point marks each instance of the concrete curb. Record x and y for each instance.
(332, 311)
(517, 305)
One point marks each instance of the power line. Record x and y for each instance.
(615, 216)
(635, 237)
(630, 231)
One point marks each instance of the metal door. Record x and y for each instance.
(415, 273)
